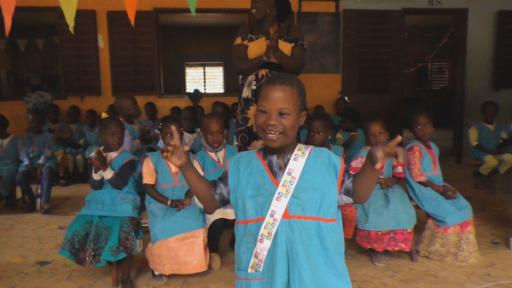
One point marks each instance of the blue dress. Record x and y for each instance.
(386, 209)
(107, 229)
(166, 222)
(445, 212)
(308, 247)
(490, 139)
(211, 168)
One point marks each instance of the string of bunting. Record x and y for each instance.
(69, 8)
(431, 55)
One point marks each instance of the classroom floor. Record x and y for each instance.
(29, 244)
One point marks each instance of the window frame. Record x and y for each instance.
(158, 12)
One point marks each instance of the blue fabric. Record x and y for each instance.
(166, 222)
(211, 168)
(109, 201)
(337, 150)
(37, 149)
(489, 139)
(91, 141)
(386, 209)
(94, 241)
(77, 138)
(356, 146)
(9, 161)
(304, 253)
(444, 212)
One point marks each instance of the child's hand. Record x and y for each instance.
(98, 160)
(176, 152)
(379, 154)
(449, 192)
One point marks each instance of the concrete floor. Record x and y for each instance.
(29, 245)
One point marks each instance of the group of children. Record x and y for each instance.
(178, 171)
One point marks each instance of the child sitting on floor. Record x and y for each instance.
(37, 162)
(284, 187)
(211, 161)
(386, 221)
(450, 232)
(107, 228)
(488, 140)
(176, 225)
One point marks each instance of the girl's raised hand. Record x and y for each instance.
(379, 154)
(176, 152)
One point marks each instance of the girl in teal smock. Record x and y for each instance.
(107, 229)
(386, 221)
(176, 225)
(449, 234)
(308, 246)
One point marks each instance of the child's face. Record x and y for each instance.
(347, 125)
(35, 124)
(166, 133)
(423, 129)
(189, 121)
(151, 112)
(73, 116)
(278, 117)
(489, 114)
(129, 108)
(90, 119)
(112, 138)
(319, 134)
(53, 115)
(339, 106)
(176, 112)
(214, 133)
(377, 135)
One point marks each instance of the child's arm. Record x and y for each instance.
(151, 191)
(367, 178)
(178, 155)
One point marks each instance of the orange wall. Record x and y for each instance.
(321, 88)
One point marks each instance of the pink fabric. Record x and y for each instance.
(183, 254)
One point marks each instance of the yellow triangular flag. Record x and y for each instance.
(8, 7)
(131, 9)
(69, 9)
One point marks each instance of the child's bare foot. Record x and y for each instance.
(215, 261)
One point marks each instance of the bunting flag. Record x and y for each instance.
(22, 44)
(69, 9)
(131, 9)
(40, 43)
(192, 5)
(8, 7)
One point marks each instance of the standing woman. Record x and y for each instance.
(271, 43)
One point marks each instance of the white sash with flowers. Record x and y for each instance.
(278, 206)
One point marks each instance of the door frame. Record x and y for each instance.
(460, 25)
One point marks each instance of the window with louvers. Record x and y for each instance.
(79, 56)
(503, 60)
(372, 68)
(133, 53)
(205, 77)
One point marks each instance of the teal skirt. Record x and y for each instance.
(93, 241)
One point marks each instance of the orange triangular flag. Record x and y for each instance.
(69, 9)
(131, 9)
(8, 11)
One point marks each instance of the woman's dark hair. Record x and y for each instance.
(321, 117)
(109, 122)
(288, 80)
